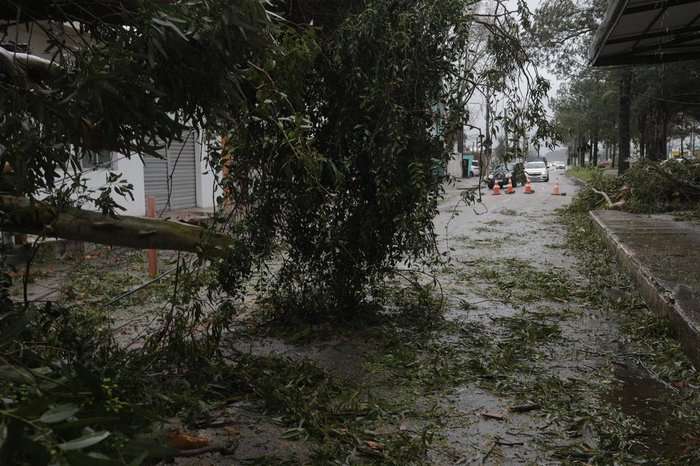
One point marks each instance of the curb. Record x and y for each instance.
(661, 300)
(577, 181)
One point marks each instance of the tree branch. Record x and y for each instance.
(18, 64)
(86, 11)
(21, 215)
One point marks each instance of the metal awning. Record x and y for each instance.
(647, 31)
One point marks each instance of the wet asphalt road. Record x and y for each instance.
(500, 227)
(529, 220)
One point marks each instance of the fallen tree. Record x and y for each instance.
(21, 215)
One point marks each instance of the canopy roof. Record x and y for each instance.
(647, 31)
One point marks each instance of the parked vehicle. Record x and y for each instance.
(537, 171)
(475, 168)
(501, 175)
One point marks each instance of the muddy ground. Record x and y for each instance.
(522, 354)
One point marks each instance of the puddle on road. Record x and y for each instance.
(651, 402)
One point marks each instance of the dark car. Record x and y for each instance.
(501, 175)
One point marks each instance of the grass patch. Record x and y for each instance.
(586, 174)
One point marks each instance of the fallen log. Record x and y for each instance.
(22, 215)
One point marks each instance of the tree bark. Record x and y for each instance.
(595, 148)
(624, 120)
(17, 64)
(642, 136)
(20, 215)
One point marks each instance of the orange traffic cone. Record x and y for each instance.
(555, 190)
(528, 187)
(496, 188)
(509, 189)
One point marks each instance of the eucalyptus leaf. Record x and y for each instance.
(59, 413)
(85, 441)
(16, 374)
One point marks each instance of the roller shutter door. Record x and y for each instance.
(155, 180)
(182, 165)
(173, 176)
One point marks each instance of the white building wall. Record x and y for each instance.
(207, 187)
(131, 170)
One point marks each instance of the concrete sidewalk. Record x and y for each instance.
(663, 255)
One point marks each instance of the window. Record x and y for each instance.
(96, 160)
(535, 165)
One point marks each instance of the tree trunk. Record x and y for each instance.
(656, 133)
(624, 121)
(595, 148)
(682, 140)
(642, 135)
(692, 140)
(20, 215)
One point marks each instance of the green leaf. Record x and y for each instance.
(59, 413)
(16, 374)
(139, 459)
(77, 458)
(84, 441)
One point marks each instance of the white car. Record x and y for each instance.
(475, 168)
(537, 171)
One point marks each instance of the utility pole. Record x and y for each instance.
(487, 141)
(505, 131)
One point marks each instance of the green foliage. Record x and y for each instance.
(562, 32)
(646, 187)
(65, 398)
(338, 158)
(587, 199)
(516, 281)
(126, 89)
